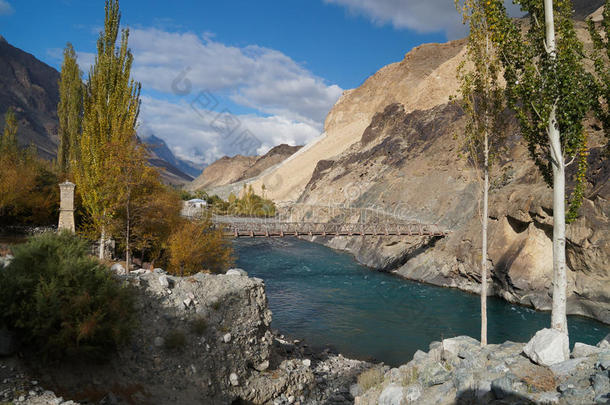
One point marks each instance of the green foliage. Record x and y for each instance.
(69, 110)
(250, 205)
(62, 302)
(539, 81)
(370, 378)
(481, 93)
(175, 340)
(8, 143)
(601, 60)
(111, 108)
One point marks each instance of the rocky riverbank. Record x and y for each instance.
(459, 371)
(201, 339)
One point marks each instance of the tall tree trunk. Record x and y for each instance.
(558, 315)
(484, 247)
(127, 258)
(102, 252)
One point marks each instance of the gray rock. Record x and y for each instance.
(226, 338)
(159, 341)
(460, 345)
(234, 380)
(307, 363)
(419, 355)
(601, 383)
(355, 390)
(159, 271)
(118, 269)
(164, 281)
(392, 395)
(8, 342)
(262, 366)
(603, 361)
(566, 367)
(434, 374)
(605, 342)
(413, 393)
(583, 350)
(502, 387)
(548, 398)
(236, 272)
(548, 347)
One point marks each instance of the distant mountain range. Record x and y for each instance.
(31, 87)
(160, 149)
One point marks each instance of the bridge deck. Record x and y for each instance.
(245, 228)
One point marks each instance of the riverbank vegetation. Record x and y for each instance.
(247, 204)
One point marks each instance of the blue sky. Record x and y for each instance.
(273, 67)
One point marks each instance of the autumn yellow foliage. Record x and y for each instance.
(197, 246)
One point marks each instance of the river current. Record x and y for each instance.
(329, 300)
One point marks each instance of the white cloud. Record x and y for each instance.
(291, 101)
(257, 77)
(6, 8)
(203, 135)
(421, 16)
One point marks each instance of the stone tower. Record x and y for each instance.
(66, 207)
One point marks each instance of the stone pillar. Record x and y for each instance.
(66, 207)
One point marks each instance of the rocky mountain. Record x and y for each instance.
(390, 146)
(162, 151)
(229, 170)
(31, 87)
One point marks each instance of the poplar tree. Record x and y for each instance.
(550, 92)
(111, 107)
(482, 99)
(69, 110)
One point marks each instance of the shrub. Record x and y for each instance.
(370, 378)
(61, 302)
(196, 246)
(175, 340)
(199, 325)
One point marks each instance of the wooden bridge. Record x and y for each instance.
(251, 227)
(339, 221)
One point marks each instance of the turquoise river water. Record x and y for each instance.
(327, 299)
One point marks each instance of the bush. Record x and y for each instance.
(197, 246)
(61, 302)
(199, 325)
(175, 340)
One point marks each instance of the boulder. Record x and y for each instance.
(392, 395)
(503, 387)
(413, 393)
(566, 367)
(548, 347)
(164, 281)
(236, 272)
(118, 269)
(459, 345)
(234, 380)
(584, 350)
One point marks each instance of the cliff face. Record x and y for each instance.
(405, 162)
(234, 170)
(31, 88)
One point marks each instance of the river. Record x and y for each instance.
(329, 300)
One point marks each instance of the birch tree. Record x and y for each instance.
(550, 91)
(482, 99)
(111, 108)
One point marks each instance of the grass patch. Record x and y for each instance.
(411, 377)
(370, 378)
